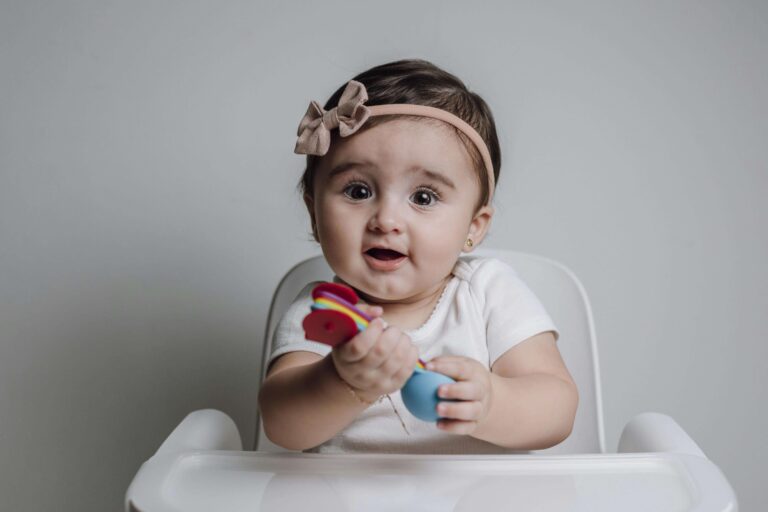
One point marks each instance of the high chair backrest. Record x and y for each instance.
(563, 297)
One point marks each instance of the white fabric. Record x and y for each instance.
(485, 310)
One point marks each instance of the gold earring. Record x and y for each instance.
(470, 243)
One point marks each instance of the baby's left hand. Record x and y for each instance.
(472, 387)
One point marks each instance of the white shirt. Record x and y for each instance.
(484, 310)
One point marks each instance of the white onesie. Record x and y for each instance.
(485, 310)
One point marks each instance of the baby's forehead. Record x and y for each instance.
(404, 140)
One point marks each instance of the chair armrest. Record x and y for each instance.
(655, 432)
(206, 429)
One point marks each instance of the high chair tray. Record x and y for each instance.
(253, 481)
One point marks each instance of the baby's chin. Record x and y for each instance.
(370, 294)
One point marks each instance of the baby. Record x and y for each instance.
(402, 164)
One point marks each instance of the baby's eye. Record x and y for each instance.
(357, 191)
(425, 197)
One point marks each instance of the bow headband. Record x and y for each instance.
(315, 128)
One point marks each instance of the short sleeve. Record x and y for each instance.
(511, 311)
(289, 333)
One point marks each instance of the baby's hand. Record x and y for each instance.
(376, 361)
(472, 387)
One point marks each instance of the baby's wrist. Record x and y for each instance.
(489, 402)
(367, 397)
(361, 396)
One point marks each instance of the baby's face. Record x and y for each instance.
(394, 205)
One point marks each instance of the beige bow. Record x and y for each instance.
(316, 125)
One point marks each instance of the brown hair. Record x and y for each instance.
(420, 82)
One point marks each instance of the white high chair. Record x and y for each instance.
(201, 465)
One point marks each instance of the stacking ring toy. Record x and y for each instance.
(334, 320)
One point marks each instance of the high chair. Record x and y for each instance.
(202, 466)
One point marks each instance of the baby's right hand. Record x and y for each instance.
(376, 361)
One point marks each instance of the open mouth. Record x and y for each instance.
(384, 254)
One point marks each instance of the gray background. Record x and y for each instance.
(148, 206)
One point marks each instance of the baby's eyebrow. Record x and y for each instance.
(344, 167)
(437, 177)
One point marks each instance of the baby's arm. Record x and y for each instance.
(527, 402)
(305, 400)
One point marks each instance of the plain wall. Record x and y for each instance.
(148, 206)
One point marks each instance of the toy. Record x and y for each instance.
(335, 320)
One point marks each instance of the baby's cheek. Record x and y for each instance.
(333, 237)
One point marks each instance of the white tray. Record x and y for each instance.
(235, 481)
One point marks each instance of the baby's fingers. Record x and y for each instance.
(456, 426)
(372, 311)
(455, 367)
(359, 346)
(467, 411)
(463, 390)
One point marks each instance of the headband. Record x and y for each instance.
(350, 114)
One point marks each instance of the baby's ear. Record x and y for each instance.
(479, 226)
(310, 202)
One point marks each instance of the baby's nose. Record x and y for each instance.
(387, 217)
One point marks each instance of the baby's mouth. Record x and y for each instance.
(384, 254)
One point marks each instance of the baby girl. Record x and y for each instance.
(402, 164)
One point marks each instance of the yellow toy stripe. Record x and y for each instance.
(338, 307)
